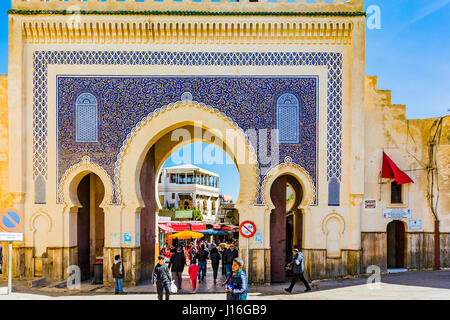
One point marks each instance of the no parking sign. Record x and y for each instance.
(247, 229)
(11, 220)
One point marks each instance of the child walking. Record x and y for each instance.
(236, 284)
(193, 273)
(161, 278)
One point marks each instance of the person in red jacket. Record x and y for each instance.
(193, 273)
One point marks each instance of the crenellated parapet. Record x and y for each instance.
(232, 6)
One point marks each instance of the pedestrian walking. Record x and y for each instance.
(236, 284)
(202, 257)
(192, 253)
(222, 249)
(229, 256)
(161, 278)
(215, 261)
(118, 274)
(176, 265)
(297, 270)
(193, 273)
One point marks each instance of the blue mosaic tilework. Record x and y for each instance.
(288, 110)
(124, 101)
(86, 118)
(333, 61)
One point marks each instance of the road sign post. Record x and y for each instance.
(11, 221)
(247, 230)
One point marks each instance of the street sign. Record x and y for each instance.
(259, 237)
(11, 236)
(397, 213)
(247, 229)
(415, 224)
(11, 220)
(127, 238)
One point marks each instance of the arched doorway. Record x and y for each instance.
(90, 223)
(395, 244)
(286, 224)
(201, 197)
(147, 148)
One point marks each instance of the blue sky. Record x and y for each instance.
(410, 54)
(228, 173)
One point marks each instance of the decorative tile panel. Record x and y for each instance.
(86, 118)
(202, 91)
(288, 118)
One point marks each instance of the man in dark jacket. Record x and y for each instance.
(201, 257)
(215, 260)
(176, 265)
(236, 284)
(297, 269)
(228, 257)
(118, 274)
(161, 278)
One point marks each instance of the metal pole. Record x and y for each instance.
(246, 263)
(9, 267)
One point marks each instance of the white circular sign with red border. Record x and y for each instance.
(247, 229)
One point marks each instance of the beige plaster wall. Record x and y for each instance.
(406, 143)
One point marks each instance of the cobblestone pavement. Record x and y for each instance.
(398, 286)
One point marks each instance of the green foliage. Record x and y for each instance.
(197, 213)
(165, 212)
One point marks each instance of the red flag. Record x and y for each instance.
(390, 170)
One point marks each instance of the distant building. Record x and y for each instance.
(226, 198)
(189, 187)
(227, 213)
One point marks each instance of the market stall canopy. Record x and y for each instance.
(177, 227)
(186, 235)
(390, 170)
(165, 228)
(213, 232)
(198, 226)
(229, 228)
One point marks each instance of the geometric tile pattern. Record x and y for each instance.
(332, 60)
(288, 118)
(86, 118)
(125, 101)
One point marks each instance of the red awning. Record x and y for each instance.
(198, 227)
(229, 228)
(390, 170)
(165, 227)
(216, 226)
(177, 227)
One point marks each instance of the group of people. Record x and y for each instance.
(198, 254)
(235, 285)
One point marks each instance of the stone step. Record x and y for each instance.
(37, 283)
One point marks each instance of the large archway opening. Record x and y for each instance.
(187, 188)
(395, 233)
(286, 224)
(90, 224)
